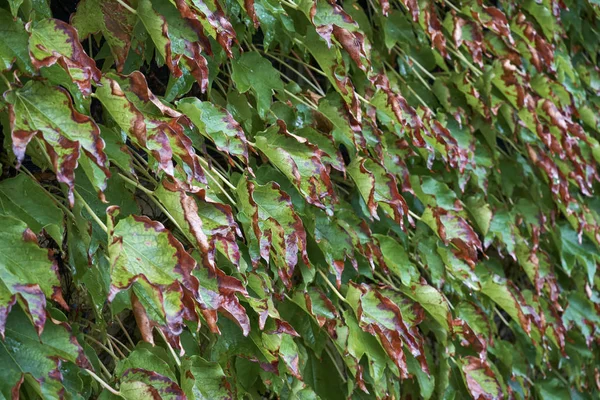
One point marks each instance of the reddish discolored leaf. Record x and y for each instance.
(53, 41)
(273, 227)
(143, 253)
(301, 162)
(379, 189)
(210, 15)
(452, 228)
(379, 313)
(112, 19)
(27, 272)
(45, 112)
(480, 379)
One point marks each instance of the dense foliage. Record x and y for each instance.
(299, 199)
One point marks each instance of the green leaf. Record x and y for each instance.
(506, 296)
(112, 20)
(452, 228)
(209, 223)
(272, 227)
(391, 318)
(432, 301)
(210, 15)
(396, 259)
(252, 71)
(27, 273)
(13, 48)
(53, 41)
(141, 384)
(216, 124)
(480, 379)
(23, 198)
(301, 162)
(378, 189)
(157, 28)
(46, 113)
(143, 356)
(144, 253)
(204, 380)
(32, 362)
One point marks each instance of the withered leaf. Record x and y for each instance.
(301, 163)
(27, 272)
(217, 124)
(272, 227)
(112, 19)
(53, 41)
(45, 112)
(143, 253)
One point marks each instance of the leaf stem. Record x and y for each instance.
(502, 317)
(102, 383)
(6, 81)
(289, 4)
(415, 216)
(386, 280)
(334, 361)
(332, 287)
(105, 371)
(90, 211)
(305, 102)
(421, 67)
(113, 344)
(304, 78)
(136, 184)
(175, 356)
(127, 6)
(225, 180)
(460, 55)
(452, 6)
(103, 347)
(125, 332)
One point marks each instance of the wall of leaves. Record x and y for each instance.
(299, 199)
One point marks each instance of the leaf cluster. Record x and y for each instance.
(299, 199)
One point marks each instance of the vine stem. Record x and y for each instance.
(125, 332)
(415, 216)
(90, 211)
(103, 347)
(6, 81)
(102, 383)
(289, 4)
(305, 102)
(333, 288)
(175, 356)
(127, 6)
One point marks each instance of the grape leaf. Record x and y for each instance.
(27, 272)
(24, 355)
(65, 132)
(252, 71)
(54, 41)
